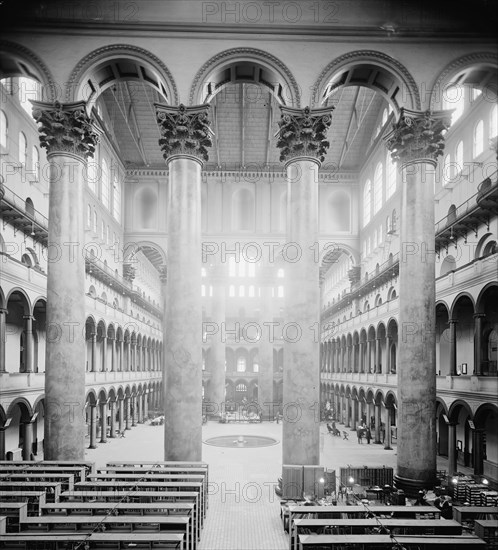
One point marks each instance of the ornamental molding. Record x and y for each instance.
(303, 133)
(457, 65)
(362, 56)
(50, 89)
(418, 135)
(184, 131)
(118, 50)
(66, 128)
(241, 54)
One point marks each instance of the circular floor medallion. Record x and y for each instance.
(241, 441)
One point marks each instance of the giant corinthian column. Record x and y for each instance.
(415, 142)
(185, 135)
(66, 131)
(302, 142)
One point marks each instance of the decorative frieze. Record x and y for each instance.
(303, 133)
(418, 135)
(66, 128)
(184, 131)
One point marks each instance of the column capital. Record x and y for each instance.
(184, 131)
(303, 132)
(479, 315)
(3, 310)
(418, 136)
(66, 128)
(453, 321)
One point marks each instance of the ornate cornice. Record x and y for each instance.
(124, 50)
(361, 57)
(50, 89)
(241, 54)
(418, 135)
(458, 65)
(184, 130)
(303, 133)
(66, 128)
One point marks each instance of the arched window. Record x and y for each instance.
(251, 292)
(29, 207)
(377, 188)
(394, 221)
(242, 291)
(459, 157)
(203, 290)
(390, 176)
(89, 216)
(231, 291)
(446, 175)
(243, 210)
(242, 268)
(449, 264)
(367, 190)
(251, 269)
(35, 162)
(241, 363)
(493, 122)
(116, 199)
(26, 260)
(93, 171)
(478, 141)
(240, 388)
(95, 221)
(3, 129)
(105, 184)
(454, 99)
(380, 237)
(280, 273)
(23, 148)
(28, 89)
(280, 291)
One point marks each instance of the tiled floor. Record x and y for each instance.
(243, 508)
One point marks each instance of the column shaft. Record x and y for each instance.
(478, 321)
(103, 422)
(93, 426)
(3, 340)
(302, 368)
(452, 450)
(183, 326)
(215, 407)
(28, 329)
(65, 355)
(453, 347)
(265, 376)
(27, 447)
(112, 417)
(120, 415)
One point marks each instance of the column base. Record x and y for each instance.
(388, 448)
(411, 487)
(92, 446)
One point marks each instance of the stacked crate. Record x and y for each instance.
(473, 493)
(489, 498)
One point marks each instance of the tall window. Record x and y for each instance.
(95, 221)
(241, 364)
(102, 230)
(23, 148)
(367, 191)
(93, 171)
(459, 157)
(28, 89)
(454, 99)
(232, 266)
(390, 176)
(231, 291)
(384, 116)
(493, 122)
(89, 216)
(242, 291)
(116, 200)
(251, 291)
(35, 162)
(446, 176)
(3, 129)
(478, 141)
(105, 183)
(378, 187)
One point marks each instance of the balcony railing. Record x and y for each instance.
(476, 210)
(22, 216)
(383, 273)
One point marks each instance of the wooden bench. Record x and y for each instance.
(112, 524)
(487, 529)
(140, 485)
(79, 472)
(14, 512)
(115, 541)
(89, 466)
(371, 526)
(51, 488)
(66, 480)
(127, 508)
(34, 499)
(162, 464)
(363, 542)
(357, 512)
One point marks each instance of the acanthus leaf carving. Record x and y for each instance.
(303, 133)
(184, 130)
(66, 128)
(418, 135)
